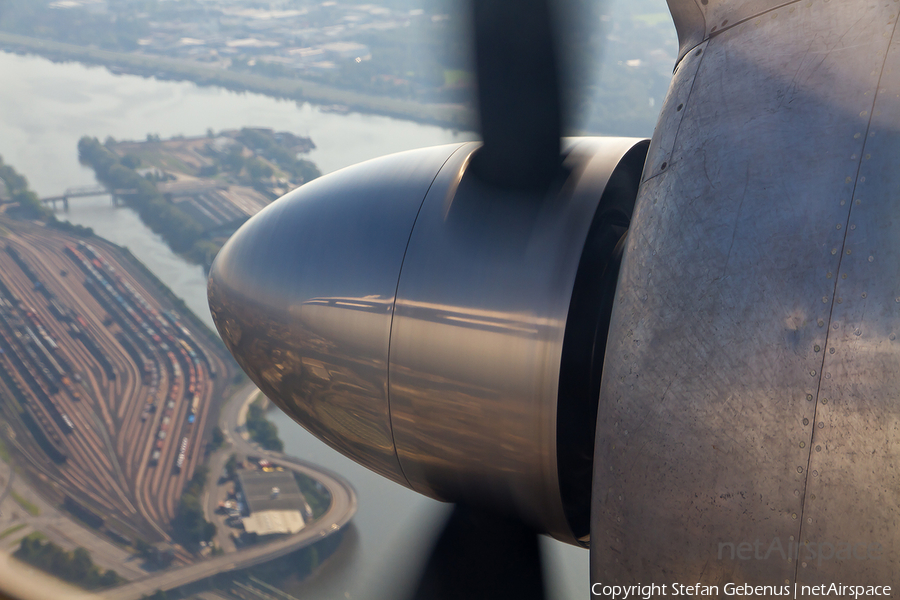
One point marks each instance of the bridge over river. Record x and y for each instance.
(85, 192)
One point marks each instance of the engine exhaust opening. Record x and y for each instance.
(584, 344)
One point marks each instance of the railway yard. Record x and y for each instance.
(110, 392)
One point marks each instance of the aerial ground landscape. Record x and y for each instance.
(113, 398)
(136, 460)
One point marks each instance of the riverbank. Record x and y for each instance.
(300, 90)
(192, 194)
(183, 309)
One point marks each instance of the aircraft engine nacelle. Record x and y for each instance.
(421, 322)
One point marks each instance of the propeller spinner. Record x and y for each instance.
(440, 315)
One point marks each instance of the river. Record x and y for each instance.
(46, 107)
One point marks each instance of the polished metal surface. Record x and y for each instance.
(750, 390)
(423, 343)
(478, 335)
(303, 295)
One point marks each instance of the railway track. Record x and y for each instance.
(119, 391)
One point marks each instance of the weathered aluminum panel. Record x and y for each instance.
(719, 15)
(671, 114)
(697, 20)
(710, 389)
(689, 24)
(851, 518)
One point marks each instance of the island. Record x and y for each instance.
(197, 191)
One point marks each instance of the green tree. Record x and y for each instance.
(257, 169)
(261, 430)
(109, 578)
(81, 561)
(179, 230)
(233, 161)
(189, 525)
(256, 139)
(208, 170)
(218, 438)
(144, 548)
(76, 567)
(29, 204)
(231, 465)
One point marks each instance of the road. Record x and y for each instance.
(58, 526)
(343, 507)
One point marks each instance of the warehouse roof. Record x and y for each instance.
(274, 521)
(275, 490)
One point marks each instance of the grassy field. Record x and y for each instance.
(164, 160)
(4, 452)
(11, 530)
(29, 507)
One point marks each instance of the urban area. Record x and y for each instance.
(397, 57)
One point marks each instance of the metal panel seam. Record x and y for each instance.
(834, 290)
(713, 34)
(686, 102)
(394, 308)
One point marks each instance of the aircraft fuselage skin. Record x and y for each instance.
(750, 404)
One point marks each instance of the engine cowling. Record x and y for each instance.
(420, 321)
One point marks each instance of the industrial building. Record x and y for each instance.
(272, 502)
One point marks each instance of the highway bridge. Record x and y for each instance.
(85, 192)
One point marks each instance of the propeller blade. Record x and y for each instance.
(482, 555)
(518, 94)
